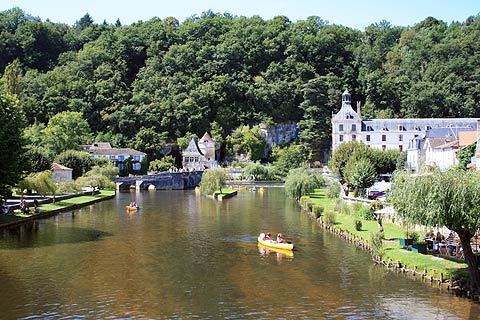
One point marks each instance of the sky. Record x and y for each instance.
(356, 14)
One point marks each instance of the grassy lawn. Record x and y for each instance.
(75, 201)
(393, 252)
(64, 204)
(224, 192)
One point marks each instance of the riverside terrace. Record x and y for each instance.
(161, 181)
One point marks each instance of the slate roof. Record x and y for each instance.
(192, 148)
(116, 151)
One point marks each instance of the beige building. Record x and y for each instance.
(61, 173)
(200, 156)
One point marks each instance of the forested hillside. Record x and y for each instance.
(162, 78)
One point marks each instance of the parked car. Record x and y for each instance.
(377, 195)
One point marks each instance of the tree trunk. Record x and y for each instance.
(471, 261)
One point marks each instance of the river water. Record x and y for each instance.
(186, 256)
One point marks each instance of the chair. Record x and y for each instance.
(443, 250)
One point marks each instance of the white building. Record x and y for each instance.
(200, 156)
(347, 125)
(61, 173)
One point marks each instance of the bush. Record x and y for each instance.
(333, 190)
(317, 211)
(342, 207)
(358, 224)
(364, 213)
(412, 235)
(329, 218)
(309, 206)
(376, 241)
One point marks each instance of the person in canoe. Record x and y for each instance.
(280, 238)
(267, 236)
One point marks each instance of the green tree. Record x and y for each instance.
(465, 155)
(442, 199)
(79, 161)
(302, 181)
(342, 154)
(66, 131)
(291, 157)
(11, 144)
(161, 165)
(360, 174)
(257, 171)
(150, 142)
(11, 79)
(213, 180)
(36, 159)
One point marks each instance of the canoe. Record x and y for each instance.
(131, 209)
(273, 244)
(266, 250)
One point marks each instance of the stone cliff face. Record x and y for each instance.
(281, 133)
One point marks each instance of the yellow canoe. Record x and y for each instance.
(274, 244)
(265, 250)
(131, 208)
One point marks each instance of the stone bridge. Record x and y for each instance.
(161, 181)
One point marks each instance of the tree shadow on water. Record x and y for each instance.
(35, 235)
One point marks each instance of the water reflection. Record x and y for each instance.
(29, 235)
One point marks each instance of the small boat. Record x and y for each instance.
(274, 244)
(266, 250)
(261, 189)
(131, 209)
(254, 189)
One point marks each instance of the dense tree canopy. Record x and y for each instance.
(219, 69)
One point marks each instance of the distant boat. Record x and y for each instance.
(274, 244)
(254, 189)
(261, 189)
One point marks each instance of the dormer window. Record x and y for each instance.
(369, 128)
(401, 128)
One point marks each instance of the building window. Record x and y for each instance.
(340, 127)
(400, 137)
(112, 157)
(121, 166)
(341, 138)
(427, 128)
(384, 147)
(121, 158)
(137, 166)
(368, 138)
(369, 128)
(354, 137)
(354, 127)
(136, 158)
(400, 148)
(401, 128)
(384, 137)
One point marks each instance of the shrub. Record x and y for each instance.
(317, 211)
(364, 213)
(358, 224)
(342, 207)
(376, 241)
(329, 218)
(309, 206)
(333, 190)
(412, 235)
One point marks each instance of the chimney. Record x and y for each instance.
(359, 109)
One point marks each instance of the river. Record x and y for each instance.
(185, 256)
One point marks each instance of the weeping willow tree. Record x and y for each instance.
(448, 199)
(301, 181)
(213, 180)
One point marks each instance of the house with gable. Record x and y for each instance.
(201, 155)
(116, 155)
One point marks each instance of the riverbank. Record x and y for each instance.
(50, 209)
(428, 266)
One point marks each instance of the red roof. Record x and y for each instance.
(58, 167)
